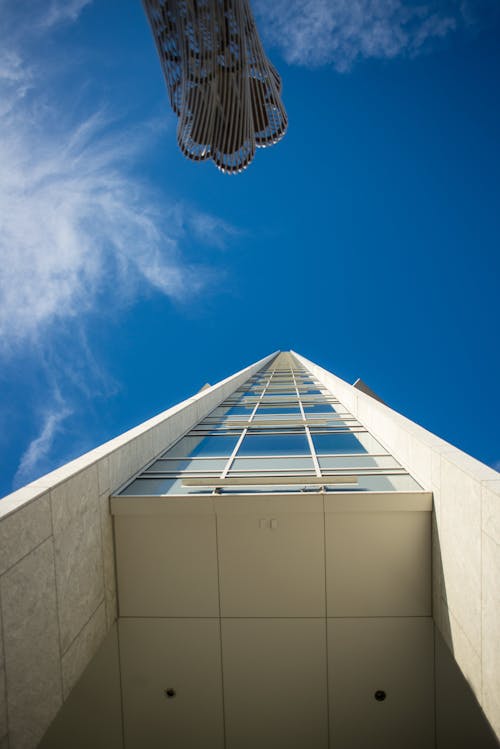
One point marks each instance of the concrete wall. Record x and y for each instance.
(57, 569)
(466, 536)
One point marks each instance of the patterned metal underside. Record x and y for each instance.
(220, 83)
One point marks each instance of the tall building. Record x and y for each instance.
(280, 561)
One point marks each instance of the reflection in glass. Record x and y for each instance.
(176, 465)
(203, 446)
(278, 410)
(359, 461)
(240, 411)
(155, 487)
(299, 463)
(270, 489)
(318, 408)
(274, 444)
(398, 483)
(329, 443)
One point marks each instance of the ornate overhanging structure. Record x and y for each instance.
(279, 561)
(222, 87)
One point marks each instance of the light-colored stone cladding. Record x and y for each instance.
(466, 535)
(57, 572)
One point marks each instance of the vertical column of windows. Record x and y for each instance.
(243, 434)
(280, 423)
(308, 432)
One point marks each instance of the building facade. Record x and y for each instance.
(280, 561)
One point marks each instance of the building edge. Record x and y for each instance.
(57, 566)
(465, 535)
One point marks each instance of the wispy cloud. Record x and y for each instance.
(57, 11)
(81, 235)
(341, 32)
(32, 15)
(75, 223)
(212, 230)
(36, 458)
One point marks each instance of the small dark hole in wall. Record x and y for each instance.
(170, 692)
(380, 695)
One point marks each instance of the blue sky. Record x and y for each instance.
(366, 240)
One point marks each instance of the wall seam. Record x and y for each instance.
(57, 598)
(220, 631)
(99, 497)
(75, 638)
(2, 643)
(34, 548)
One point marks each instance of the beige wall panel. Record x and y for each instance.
(275, 683)
(78, 552)
(272, 565)
(378, 564)
(31, 640)
(23, 531)
(92, 718)
(3, 694)
(394, 655)
(491, 631)
(181, 654)
(167, 566)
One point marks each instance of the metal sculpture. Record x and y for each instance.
(220, 83)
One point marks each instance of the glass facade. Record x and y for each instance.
(280, 432)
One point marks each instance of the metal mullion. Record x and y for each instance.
(313, 452)
(232, 456)
(298, 398)
(245, 430)
(274, 455)
(250, 419)
(308, 433)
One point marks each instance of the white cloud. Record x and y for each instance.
(81, 236)
(74, 225)
(212, 230)
(60, 11)
(37, 456)
(24, 17)
(341, 32)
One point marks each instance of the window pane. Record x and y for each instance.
(203, 446)
(274, 444)
(158, 487)
(269, 410)
(300, 463)
(240, 411)
(398, 483)
(358, 461)
(271, 489)
(337, 443)
(319, 408)
(203, 465)
(266, 418)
